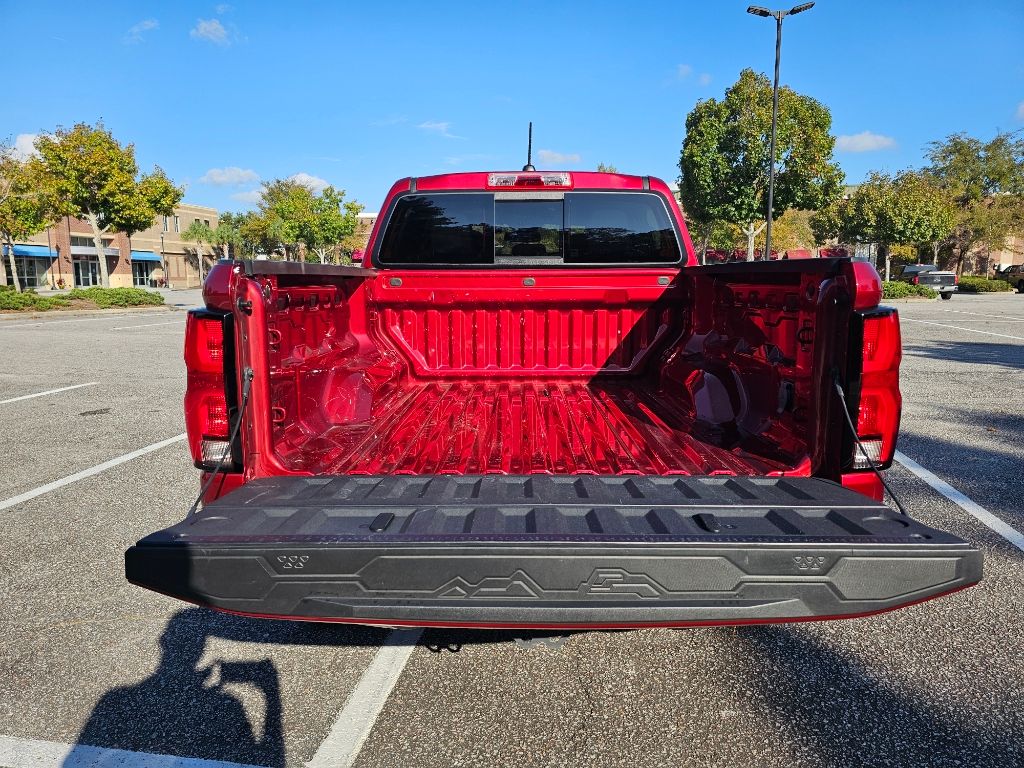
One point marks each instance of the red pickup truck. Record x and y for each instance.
(529, 407)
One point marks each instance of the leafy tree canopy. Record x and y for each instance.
(291, 214)
(906, 209)
(25, 206)
(93, 177)
(724, 164)
(986, 181)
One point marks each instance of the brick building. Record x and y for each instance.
(64, 255)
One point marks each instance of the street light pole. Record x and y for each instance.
(778, 16)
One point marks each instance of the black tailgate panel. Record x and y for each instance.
(554, 551)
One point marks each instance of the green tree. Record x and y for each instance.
(293, 217)
(200, 234)
(907, 210)
(602, 168)
(986, 182)
(25, 208)
(93, 177)
(233, 235)
(330, 220)
(724, 164)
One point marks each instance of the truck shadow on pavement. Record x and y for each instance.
(843, 713)
(973, 352)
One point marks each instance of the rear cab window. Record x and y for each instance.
(519, 229)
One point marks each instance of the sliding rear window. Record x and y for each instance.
(550, 229)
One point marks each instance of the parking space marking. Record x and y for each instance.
(147, 325)
(983, 314)
(348, 734)
(111, 316)
(963, 501)
(90, 472)
(961, 328)
(33, 753)
(47, 392)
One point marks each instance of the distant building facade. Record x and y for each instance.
(65, 256)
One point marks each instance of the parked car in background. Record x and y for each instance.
(1014, 275)
(945, 283)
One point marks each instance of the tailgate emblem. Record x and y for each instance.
(808, 562)
(294, 562)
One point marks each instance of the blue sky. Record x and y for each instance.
(222, 96)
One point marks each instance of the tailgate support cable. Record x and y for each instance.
(860, 446)
(247, 377)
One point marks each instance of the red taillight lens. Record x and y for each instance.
(204, 343)
(207, 420)
(915, 279)
(878, 413)
(956, 279)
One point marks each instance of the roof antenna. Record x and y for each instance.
(529, 151)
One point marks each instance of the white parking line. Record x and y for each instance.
(961, 328)
(147, 325)
(27, 495)
(346, 737)
(33, 753)
(965, 503)
(111, 316)
(47, 392)
(983, 314)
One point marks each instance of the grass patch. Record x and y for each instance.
(105, 298)
(972, 284)
(897, 289)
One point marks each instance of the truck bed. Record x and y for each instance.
(557, 426)
(550, 551)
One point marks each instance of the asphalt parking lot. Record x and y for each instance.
(94, 671)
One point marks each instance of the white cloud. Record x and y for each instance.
(251, 196)
(865, 141)
(1020, 111)
(683, 71)
(135, 33)
(210, 30)
(222, 9)
(549, 157)
(314, 183)
(25, 146)
(440, 128)
(230, 176)
(704, 79)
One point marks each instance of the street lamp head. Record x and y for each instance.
(757, 10)
(801, 8)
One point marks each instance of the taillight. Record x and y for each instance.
(915, 280)
(878, 412)
(207, 413)
(956, 279)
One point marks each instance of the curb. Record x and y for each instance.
(7, 316)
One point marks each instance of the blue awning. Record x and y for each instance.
(144, 256)
(37, 251)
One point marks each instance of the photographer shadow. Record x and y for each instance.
(185, 709)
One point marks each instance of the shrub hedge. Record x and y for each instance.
(101, 297)
(116, 297)
(897, 289)
(28, 300)
(972, 284)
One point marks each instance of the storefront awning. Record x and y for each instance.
(36, 251)
(144, 256)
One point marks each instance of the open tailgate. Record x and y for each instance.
(550, 551)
